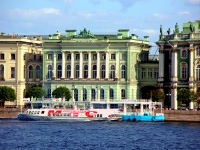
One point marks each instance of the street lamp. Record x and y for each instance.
(73, 87)
(169, 95)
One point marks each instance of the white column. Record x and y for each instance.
(191, 76)
(54, 65)
(98, 64)
(72, 64)
(174, 65)
(107, 65)
(161, 65)
(89, 65)
(81, 65)
(63, 65)
(117, 69)
(174, 104)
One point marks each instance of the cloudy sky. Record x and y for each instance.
(141, 17)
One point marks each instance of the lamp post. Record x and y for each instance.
(169, 95)
(73, 95)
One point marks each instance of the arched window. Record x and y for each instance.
(198, 51)
(198, 73)
(68, 73)
(184, 53)
(112, 71)
(94, 71)
(93, 94)
(59, 71)
(103, 71)
(48, 93)
(183, 70)
(38, 72)
(84, 95)
(75, 94)
(85, 75)
(123, 71)
(101, 94)
(77, 71)
(111, 93)
(123, 95)
(1, 72)
(49, 73)
(30, 73)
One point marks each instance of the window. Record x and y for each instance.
(94, 71)
(59, 56)
(13, 56)
(38, 71)
(85, 56)
(12, 72)
(77, 71)
(75, 94)
(123, 71)
(1, 56)
(34, 57)
(111, 93)
(103, 71)
(102, 94)
(198, 73)
(183, 70)
(113, 56)
(94, 56)
(49, 57)
(77, 56)
(155, 73)
(1, 72)
(84, 95)
(150, 73)
(123, 95)
(30, 73)
(143, 73)
(123, 56)
(68, 74)
(85, 72)
(68, 56)
(48, 93)
(49, 72)
(198, 51)
(184, 53)
(112, 72)
(93, 94)
(103, 56)
(59, 71)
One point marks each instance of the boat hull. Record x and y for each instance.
(143, 118)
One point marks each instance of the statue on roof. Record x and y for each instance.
(176, 29)
(191, 27)
(161, 30)
(85, 33)
(168, 31)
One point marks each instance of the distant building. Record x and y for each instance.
(179, 61)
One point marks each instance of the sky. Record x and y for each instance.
(141, 17)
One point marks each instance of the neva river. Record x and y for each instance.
(98, 136)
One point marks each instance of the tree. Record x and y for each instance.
(62, 92)
(186, 96)
(157, 95)
(36, 91)
(7, 94)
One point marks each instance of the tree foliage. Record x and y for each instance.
(157, 95)
(186, 96)
(36, 91)
(7, 94)
(62, 92)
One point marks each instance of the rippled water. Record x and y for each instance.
(98, 135)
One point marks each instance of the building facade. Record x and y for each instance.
(179, 61)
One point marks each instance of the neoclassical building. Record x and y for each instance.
(94, 67)
(179, 61)
(20, 63)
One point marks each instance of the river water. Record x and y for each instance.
(103, 135)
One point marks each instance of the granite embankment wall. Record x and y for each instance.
(170, 115)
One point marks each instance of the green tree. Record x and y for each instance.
(186, 96)
(157, 95)
(36, 91)
(7, 94)
(62, 92)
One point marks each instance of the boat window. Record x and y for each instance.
(99, 106)
(42, 112)
(38, 112)
(113, 106)
(100, 115)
